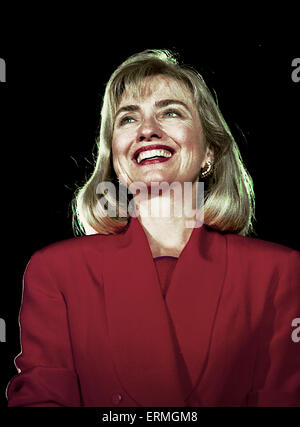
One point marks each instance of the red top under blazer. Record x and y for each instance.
(96, 330)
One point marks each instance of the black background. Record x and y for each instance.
(50, 108)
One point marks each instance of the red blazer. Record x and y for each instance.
(96, 330)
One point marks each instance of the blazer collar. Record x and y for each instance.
(146, 353)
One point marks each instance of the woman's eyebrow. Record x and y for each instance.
(127, 108)
(160, 104)
(166, 102)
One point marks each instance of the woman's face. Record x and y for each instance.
(163, 118)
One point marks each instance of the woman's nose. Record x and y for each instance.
(149, 129)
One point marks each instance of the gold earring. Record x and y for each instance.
(208, 170)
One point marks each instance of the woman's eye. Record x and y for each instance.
(172, 113)
(126, 120)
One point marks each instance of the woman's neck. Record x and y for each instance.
(169, 218)
(166, 236)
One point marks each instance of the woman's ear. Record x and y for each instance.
(209, 155)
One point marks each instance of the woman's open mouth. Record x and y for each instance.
(150, 155)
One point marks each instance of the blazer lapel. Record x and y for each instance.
(194, 295)
(138, 322)
(145, 356)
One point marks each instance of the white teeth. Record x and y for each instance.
(152, 153)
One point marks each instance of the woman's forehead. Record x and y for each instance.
(156, 87)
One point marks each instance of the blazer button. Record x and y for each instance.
(116, 398)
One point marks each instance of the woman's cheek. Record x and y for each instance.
(125, 137)
(120, 142)
(181, 135)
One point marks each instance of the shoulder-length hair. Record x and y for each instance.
(229, 202)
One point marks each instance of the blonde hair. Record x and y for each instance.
(229, 203)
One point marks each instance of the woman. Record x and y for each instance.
(156, 309)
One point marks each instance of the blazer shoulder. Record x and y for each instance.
(262, 259)
(257, 245)
(261, 254)
(73, 248)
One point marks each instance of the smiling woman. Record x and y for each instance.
(151, 90)
(160, 144)
(143, 310)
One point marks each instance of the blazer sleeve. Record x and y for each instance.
(277, 376)
(46, 374)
